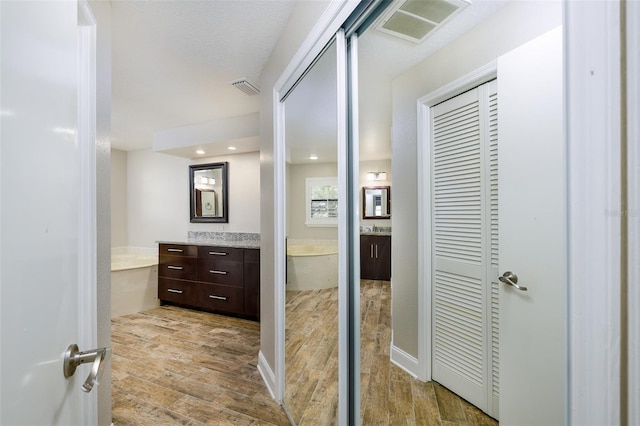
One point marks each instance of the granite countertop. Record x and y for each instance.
(381, 234)
(248, 244)
(220, 239)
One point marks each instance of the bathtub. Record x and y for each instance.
(312, 264)
(134, 280)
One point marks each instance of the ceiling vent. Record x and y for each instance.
(244, 85)
(415, 20)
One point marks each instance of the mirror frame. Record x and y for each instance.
(364, 202)
(224, 218)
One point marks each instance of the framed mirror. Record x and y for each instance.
(208, 192)
(376, 202)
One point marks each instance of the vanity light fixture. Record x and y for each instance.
(376, 175)
(231, 148)
(313, 157)
(207, 180)
(200, 152)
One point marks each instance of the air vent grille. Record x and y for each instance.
(415, 20)
(244, 85)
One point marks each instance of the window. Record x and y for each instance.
(322, 201)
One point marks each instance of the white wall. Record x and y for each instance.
(244, 194)
(119, 236)
(157, 191)
(513, 25)
(157, 198)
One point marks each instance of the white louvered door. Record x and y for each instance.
(465, 246)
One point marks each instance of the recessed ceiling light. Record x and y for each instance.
(200, 152)
(231, 148)
(313, 157)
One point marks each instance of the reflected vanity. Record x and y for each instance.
(208, 193)
(376, 202)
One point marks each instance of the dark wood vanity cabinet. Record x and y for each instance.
(375, 257)
(217, 279)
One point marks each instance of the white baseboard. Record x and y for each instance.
(405, 361)
(267, 374)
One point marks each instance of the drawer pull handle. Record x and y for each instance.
(217, 253)
(174, 250)
(213, 271)
(217, 297)
(172, 290)
(177, 268)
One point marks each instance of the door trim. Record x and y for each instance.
(324, 30)
(593, 133)
(633, 110)
(473, 79)
(87, 243)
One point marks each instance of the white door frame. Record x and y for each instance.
(633, 136)
(592, 102)
(424, 104)
(87, 250)
(324, 30)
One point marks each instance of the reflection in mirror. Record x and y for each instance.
(208, 193)
(311, 308)
(376, 202)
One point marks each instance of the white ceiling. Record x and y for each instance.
(173, 61)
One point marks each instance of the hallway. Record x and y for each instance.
(174, 366)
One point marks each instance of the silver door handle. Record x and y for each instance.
(511, 279)
(73, 358)
(174, 250)
(213, 271)
(177, 268)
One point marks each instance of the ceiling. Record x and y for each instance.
(173, 62)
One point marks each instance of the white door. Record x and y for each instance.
(532, 233)
(465, 252)
(40, 220)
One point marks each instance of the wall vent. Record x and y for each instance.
(244, 85)
(415, 20)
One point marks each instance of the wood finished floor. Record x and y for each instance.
(174, 366)
(389, 395)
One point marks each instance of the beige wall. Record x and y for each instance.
(296, 206)
(118, 198)
(375, 166)
(296, 196)
(513, 25)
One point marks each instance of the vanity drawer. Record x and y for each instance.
(178, 250)
(221, 253)
(220, 298)
(252, 255)
(183, 268)
(176, 291)
(218, 271)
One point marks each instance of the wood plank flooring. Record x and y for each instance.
(389, 396)
(174, 366)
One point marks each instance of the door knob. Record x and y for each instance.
(73, 358)
(511, 279)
